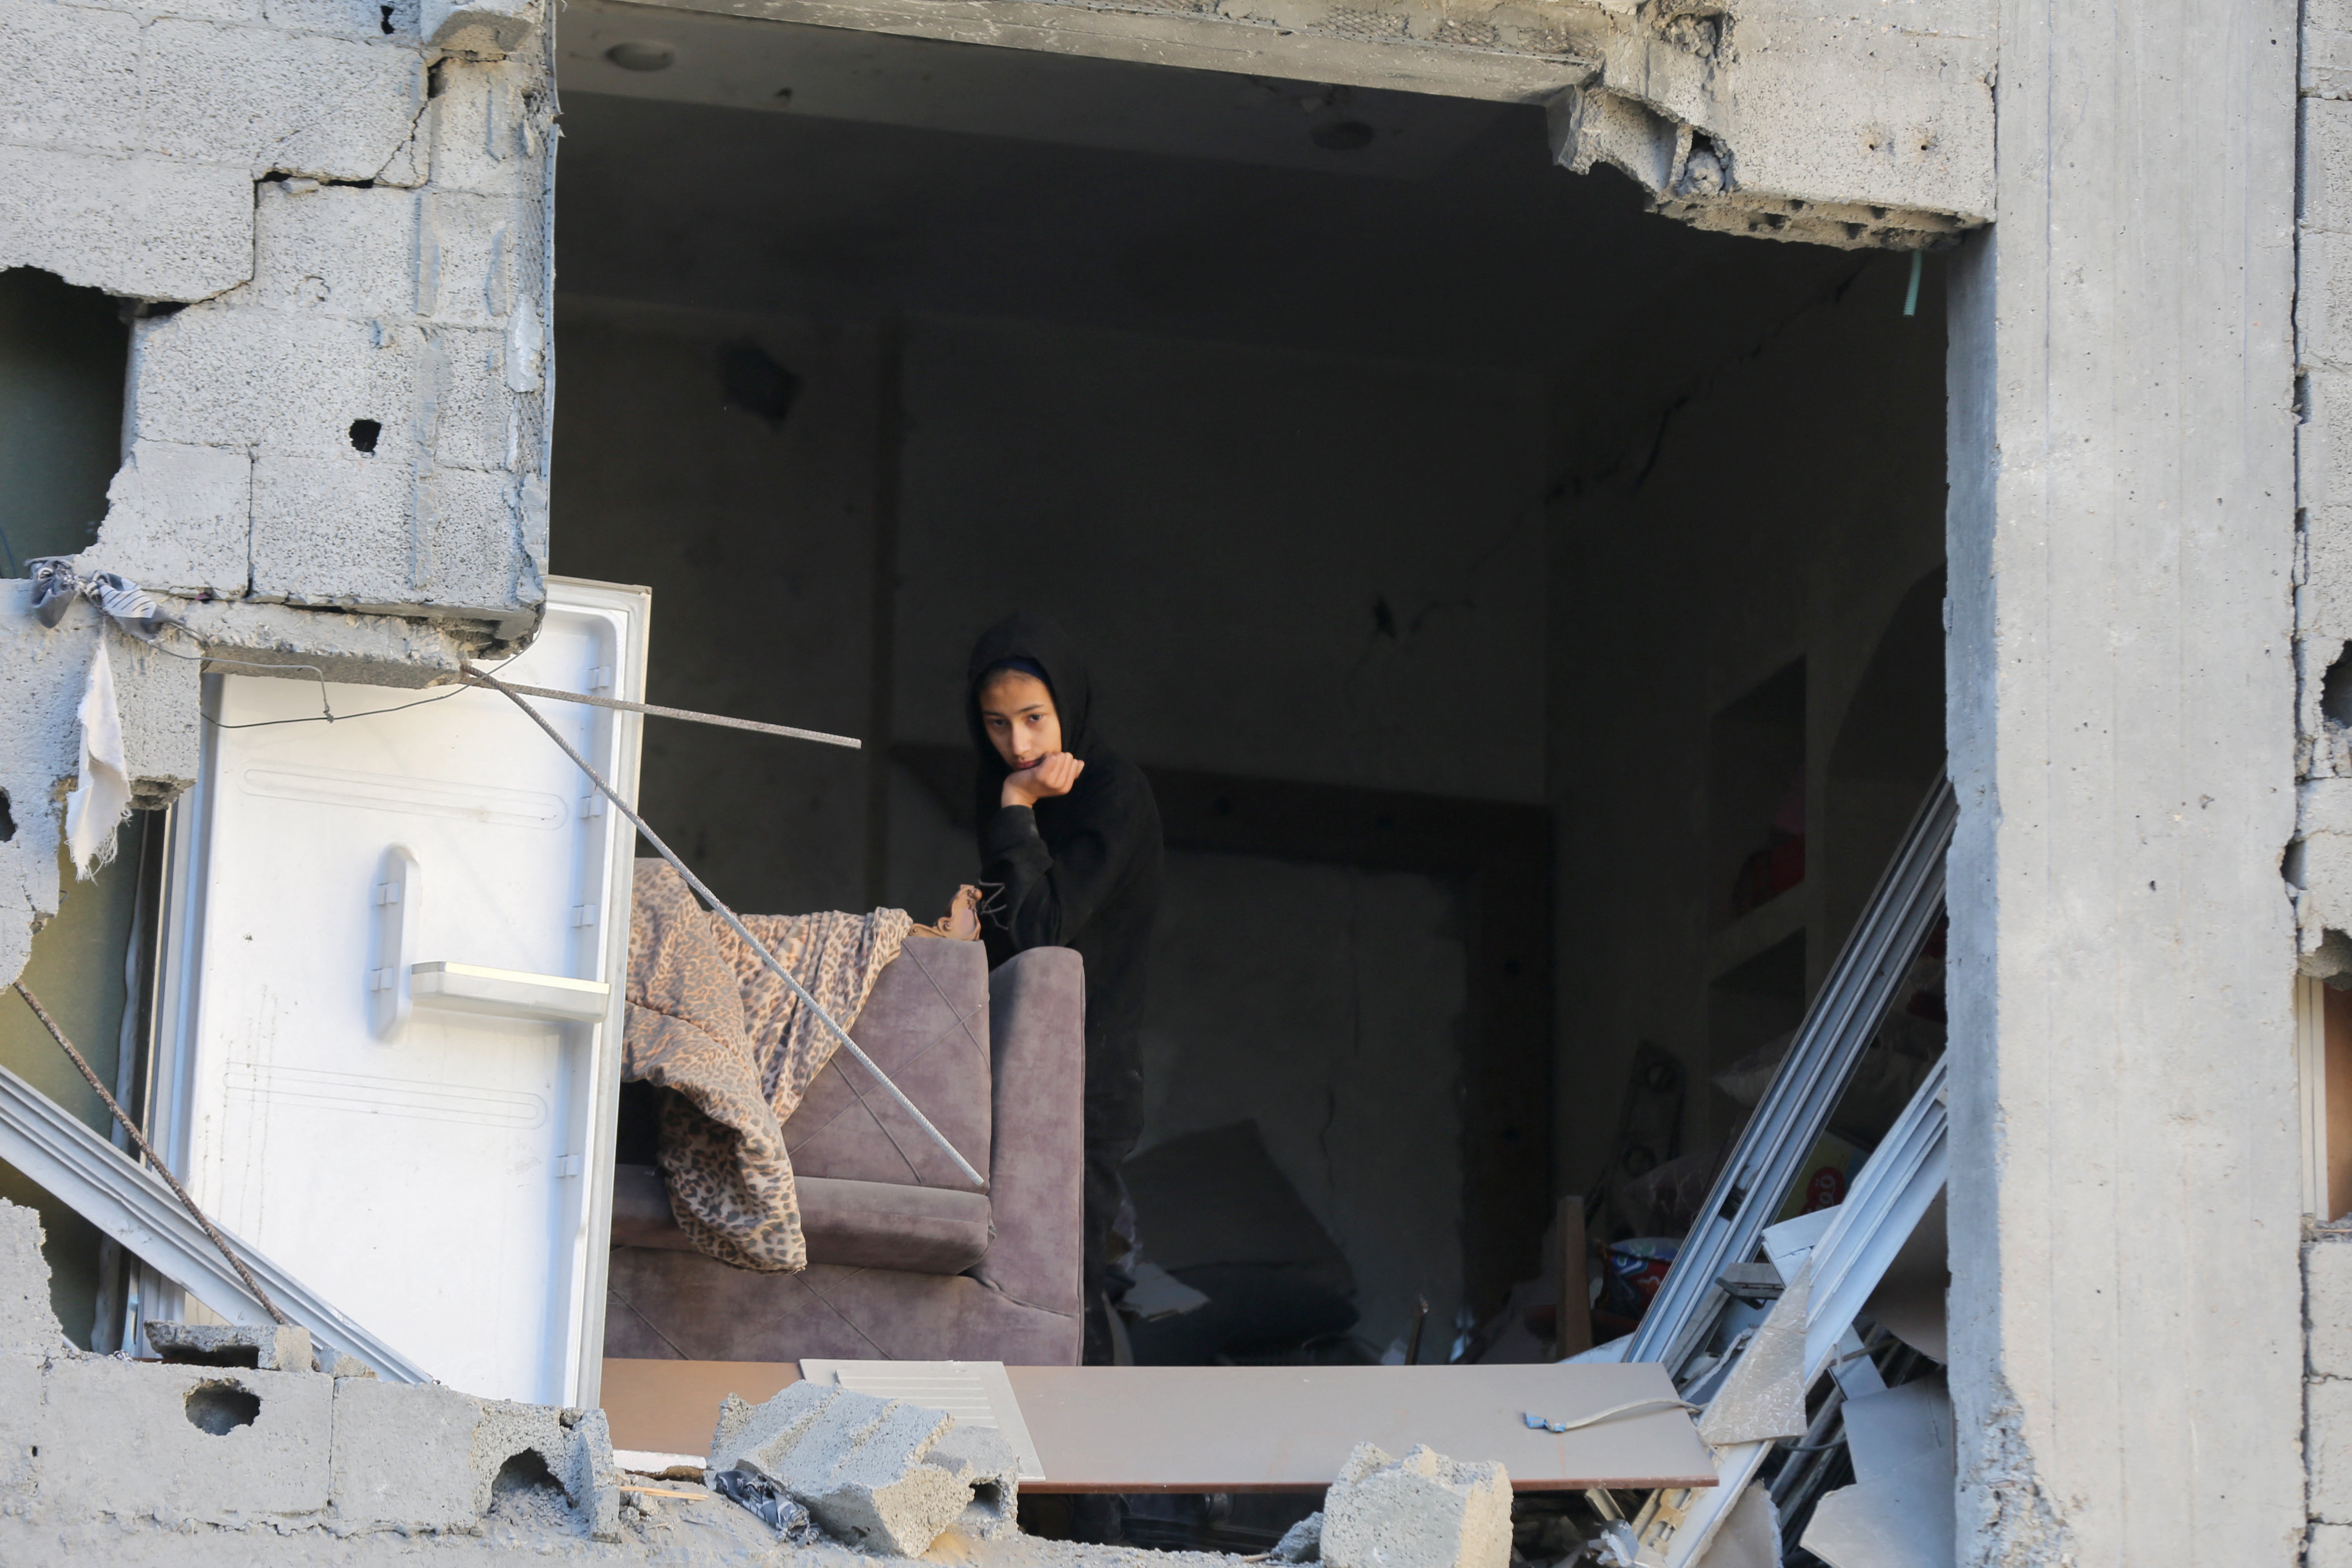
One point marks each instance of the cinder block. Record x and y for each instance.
(370, 20)
(470, 561)
(2327, 1306)
(1423, 1510)
(157, 228)
(339, 250)
(2327, 197)
(2327, 1448)
(159, 696)
(474, 413)
(180, 1443)
(28, 1327)
(178, 519)
(880, 1474)
(265, 1347)
(2330, 1546)
(264, 101)
(2322, 306)
(2324, 603)
(334, 530)
(404, 1455)
(2324, 445)
(473, 254)
(484, 138)
(73, 78)
(285, 382)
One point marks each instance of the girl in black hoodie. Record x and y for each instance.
(1070, 836)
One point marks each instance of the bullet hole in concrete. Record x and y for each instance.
(7, 819)
(364, 433)
(436, 79)
(642, 55)
(386, 11)
(783, 95)
(756, 383)
(1343, 136)
(220, 1408)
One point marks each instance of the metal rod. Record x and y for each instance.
(484, 677)
(161, 1169)
(477, 677)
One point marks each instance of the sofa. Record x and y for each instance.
(905, 1262)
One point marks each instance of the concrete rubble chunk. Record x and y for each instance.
(881, 1474)
(1303, 1541)
(268, 1347)
(411, 1457)
(28, 1327)
(1423, 1510)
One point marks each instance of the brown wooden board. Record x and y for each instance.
(1250, 1428)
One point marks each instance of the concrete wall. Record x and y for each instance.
(353, 222)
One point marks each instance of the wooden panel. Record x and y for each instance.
(1248, 1429)
(2339, 1057)
(672, 1406)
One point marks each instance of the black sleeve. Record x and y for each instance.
(1048, 899)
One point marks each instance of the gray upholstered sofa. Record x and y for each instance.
(905, 1262)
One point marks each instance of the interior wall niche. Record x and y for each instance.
(1757, 796)
(64, 352)
(1889, 750)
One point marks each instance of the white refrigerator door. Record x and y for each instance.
(390, 1075)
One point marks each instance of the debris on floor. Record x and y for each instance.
(1423, 1510)
(880, 1474)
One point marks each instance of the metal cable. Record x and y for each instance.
(724, 913)
(161, 1169)
(689, 714)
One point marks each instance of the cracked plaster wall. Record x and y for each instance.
(326, 212)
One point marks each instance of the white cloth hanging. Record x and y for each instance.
(101, 798)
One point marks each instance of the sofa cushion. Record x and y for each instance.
(926, 1024)
(855, 1224)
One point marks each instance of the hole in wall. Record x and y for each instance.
(2335, 689)
(220, 1408)
(526, 1489)
(7, 819)
(364, 433)
(753, 381)
(249, 1356)
(386, 11)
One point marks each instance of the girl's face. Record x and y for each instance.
(1017, 711)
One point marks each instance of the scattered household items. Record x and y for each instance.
(881, 1474)
(770, 1501)
(1423, 1510)
(1847, 1013)
(1649, 1133)
(737, 1050)
(495, 950)
(1898, 1513)
(903, 1258)
(1218, 1216)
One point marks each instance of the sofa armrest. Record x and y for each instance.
(1037, 1009)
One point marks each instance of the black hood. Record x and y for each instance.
(1041, 641)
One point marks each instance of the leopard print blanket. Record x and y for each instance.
(708, 1019)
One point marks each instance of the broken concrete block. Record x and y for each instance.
(1423, 1510)
(1303, 1541)
(28, 1327)
(218, 1445)
(877, 1473)
(2327, 1305)
(177, 518)
(150, 228)
(266, 1347)
(484, 140)
(423, 1456)
(332, 108)
(339, 250)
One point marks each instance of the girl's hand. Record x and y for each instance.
(1054, 774)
